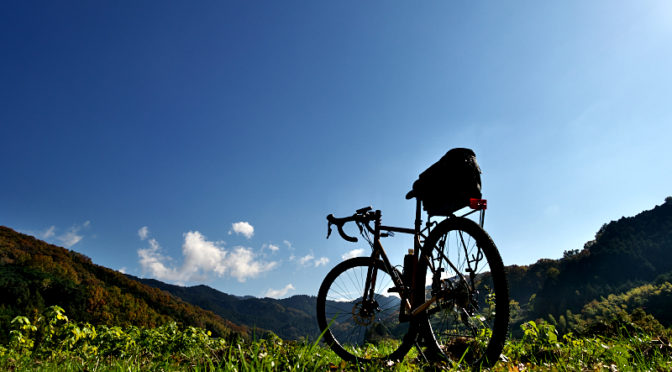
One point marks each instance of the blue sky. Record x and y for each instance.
(206, 143)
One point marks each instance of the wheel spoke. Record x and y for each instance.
(465, 261)
(361, 324)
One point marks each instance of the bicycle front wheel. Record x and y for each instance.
(359, 327)
(461, 273)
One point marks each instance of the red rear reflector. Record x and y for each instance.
(478, 203)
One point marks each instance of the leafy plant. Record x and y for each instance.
(55, 342)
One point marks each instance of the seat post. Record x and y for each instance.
(418, 214)
(418, 225)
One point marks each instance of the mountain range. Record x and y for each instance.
(290, 318)
(625, 255)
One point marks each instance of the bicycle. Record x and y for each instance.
(450, 300)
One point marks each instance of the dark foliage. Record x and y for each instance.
(35, 275)
(619, 278)
(625, 254)
(291, 318)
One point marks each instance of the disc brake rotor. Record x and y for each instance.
(363, 313)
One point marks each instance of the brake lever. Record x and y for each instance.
(364, 210)
(328, 230)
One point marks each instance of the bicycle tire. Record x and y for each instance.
(461, 325)
(350, 335)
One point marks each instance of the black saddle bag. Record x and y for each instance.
(449, 183)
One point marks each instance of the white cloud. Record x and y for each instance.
(309, 259)
(305, 260)
(243, 228)
(202, 257)
(201, 254)
(51, 231)
(277, 293)
(243, 265)
(288, 244)
(353, 253)
(122, 270)
(153, 262)
(143, 232)
(273, 247)
(323, 261)
(72, 236)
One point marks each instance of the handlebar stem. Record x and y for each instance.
(376, 229)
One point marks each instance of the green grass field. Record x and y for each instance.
(52, 342)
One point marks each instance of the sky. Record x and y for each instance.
(205, 142)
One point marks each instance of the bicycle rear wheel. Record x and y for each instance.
(357, 328)
(461, 270)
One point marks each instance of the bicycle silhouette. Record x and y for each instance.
(450, 300)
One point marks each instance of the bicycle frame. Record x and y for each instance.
(378, 252)
(442, 300)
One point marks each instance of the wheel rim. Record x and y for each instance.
(459, 276)
(366, 329)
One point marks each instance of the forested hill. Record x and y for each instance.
(625, 254)
(631, 258)
(290, 318)
(35, 275)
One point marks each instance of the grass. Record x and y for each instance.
(53, 343)
(594, 354)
